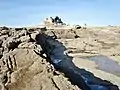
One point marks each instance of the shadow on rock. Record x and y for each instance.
(55, 52)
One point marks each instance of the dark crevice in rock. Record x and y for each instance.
(11, 64)
(9, 69)
(5, 79)
(55, 84)
(80, 77)
(76, 36)
(55, 73)
(31, 39)
(14, 61)
(41, 54)
(1, 56)
(13, 45)
(4, 28)
(18, 29)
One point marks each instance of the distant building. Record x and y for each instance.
(53, 21)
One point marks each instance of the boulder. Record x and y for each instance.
(4, 28)
(11, 43)
(17, 29)
(4, 32)
(24, 38)
(31, 72)
(78, 27)
(23, 33)
(53, 21)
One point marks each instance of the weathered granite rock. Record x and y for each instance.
(24, 38)
(26, 71)
(22, 67)
(11, 43)
(63, 84)
(4, 32)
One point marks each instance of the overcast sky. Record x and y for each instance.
(33, 12)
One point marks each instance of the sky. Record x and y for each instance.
(33, 12)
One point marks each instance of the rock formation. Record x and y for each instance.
(22, 69)
(53, 21)
(25, 65)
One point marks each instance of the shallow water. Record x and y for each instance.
(84, 79)
(106, 64)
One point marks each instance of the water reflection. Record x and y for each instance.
(106, 64)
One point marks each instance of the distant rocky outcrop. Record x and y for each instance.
(53, 21)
